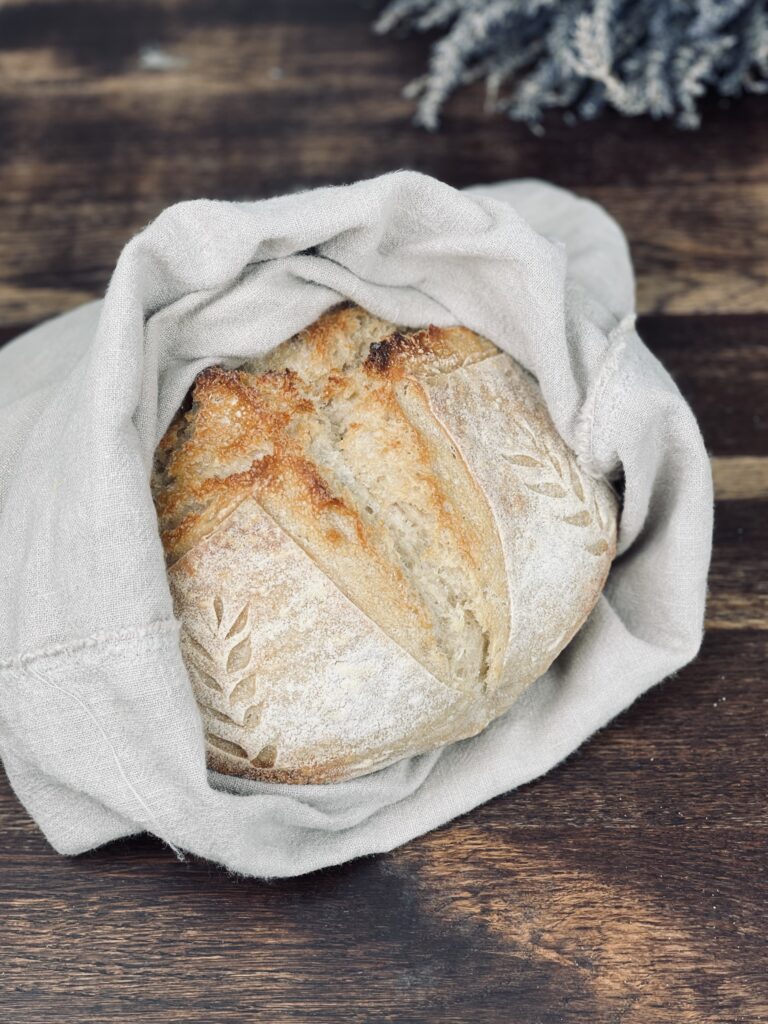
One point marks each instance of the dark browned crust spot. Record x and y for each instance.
(385, 357)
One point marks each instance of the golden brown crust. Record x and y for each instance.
(339, 511)
(207, 458)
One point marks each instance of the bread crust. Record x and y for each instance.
(376, 540)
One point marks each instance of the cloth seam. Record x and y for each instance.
(151, 629)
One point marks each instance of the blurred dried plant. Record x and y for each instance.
(654, 57)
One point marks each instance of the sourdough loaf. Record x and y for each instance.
(375, 540)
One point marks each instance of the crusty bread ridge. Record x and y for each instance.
(375, 541)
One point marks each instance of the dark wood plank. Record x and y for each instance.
(720, 363)
(269, 97)
(627, 885)
(740, 477)
(738, 580)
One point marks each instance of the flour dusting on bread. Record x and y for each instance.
(375, 541)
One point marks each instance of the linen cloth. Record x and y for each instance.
(99, 731)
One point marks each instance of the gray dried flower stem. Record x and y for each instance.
(653, 57)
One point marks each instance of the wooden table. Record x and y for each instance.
(629, 885)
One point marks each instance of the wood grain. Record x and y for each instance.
(269, 97)
(628, 886)
(740, 478)
(738, 580)
(720, 363)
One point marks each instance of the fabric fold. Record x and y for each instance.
(99, 731)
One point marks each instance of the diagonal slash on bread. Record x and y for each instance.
(402, 489)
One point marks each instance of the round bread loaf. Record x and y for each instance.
(376, 540)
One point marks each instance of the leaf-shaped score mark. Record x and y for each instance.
(549, 490)
(545, 463)
(556, 463)
(237, 639)
(197, 657)
(205, 679)
(239, 658)
(598, 513)
(202, 656)
(598, 548)
(266, 757)
(240, 623)
(576, 483)
(234, 749)
(582, 518)
(251, 718)
(220, 667)
(218, 715)
(245, 690)
(524, 460)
